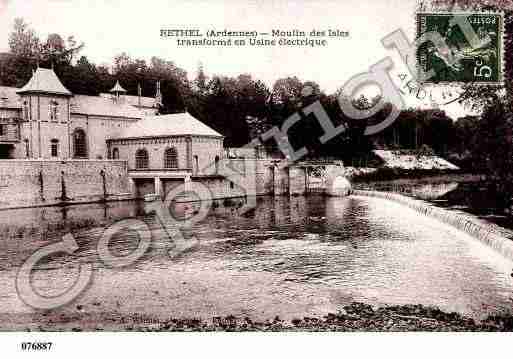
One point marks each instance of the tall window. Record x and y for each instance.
(216, 162)
(196, 164)
(170, 158)
(27, 148)
(26, 112)
(141, 159)
(115, 154)
(79, 143)
(54, 148)
(54, 110)
(3, 130)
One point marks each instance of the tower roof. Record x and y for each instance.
(45, 81)
(117, 88)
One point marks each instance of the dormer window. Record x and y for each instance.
(54, 110)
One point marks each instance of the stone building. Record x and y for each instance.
(57, 147)
(168, 142)
(44, 120)
(166, 151)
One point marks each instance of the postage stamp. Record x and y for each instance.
(462, 47)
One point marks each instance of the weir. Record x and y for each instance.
(498, 238)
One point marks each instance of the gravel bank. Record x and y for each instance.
(352, 318)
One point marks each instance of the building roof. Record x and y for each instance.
(148, 102)
(117, 88)
(102, 106)
(45, 81)
(396, 159)
(168, 125)
(81, 104)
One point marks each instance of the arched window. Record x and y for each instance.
(79, 143)
(115, 154)
(54, 148)
(170, 158)
(141, 158)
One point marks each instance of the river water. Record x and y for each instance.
(291, 258)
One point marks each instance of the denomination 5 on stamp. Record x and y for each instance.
(460, 47)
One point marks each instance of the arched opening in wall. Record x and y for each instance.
(54, 148)
(141, 159)
(217, 164)
(79, 143)
(115, 154)
(170, 158)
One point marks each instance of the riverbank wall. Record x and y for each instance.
(500, 239)
(39, 183)
(32, 183)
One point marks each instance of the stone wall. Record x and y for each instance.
(26, 183)
(98, 129)
(297, 181)
(204, 151)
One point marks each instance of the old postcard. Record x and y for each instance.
(254, 166)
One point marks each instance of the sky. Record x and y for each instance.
(110, 27)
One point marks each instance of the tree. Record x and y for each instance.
(25, 51)
(201, 82)
(23, 41)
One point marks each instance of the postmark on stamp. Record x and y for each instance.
(467, 47)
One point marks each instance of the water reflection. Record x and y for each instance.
(303, 256)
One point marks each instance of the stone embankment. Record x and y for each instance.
(496, 237)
